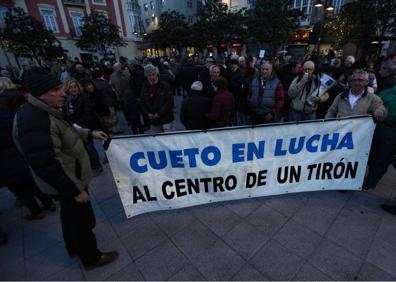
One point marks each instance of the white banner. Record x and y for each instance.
(191, 168)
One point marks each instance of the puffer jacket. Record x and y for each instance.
(13, 167)
(161, 103)
(53, 148)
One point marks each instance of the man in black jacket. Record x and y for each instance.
(194, 108)
(387, 78)
(103, 87)
(236, 83)
(157, 101)
(60, 164)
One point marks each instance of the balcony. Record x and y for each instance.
(74, 2)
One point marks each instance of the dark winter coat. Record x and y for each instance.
(161, 104)
(104, 88)
(188, 74)
(137, 80)
(222, 113)
(236, 85)
(193, 111)
(80, 110)
(13, 167)
(53, 148)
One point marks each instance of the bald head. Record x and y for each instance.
(266, 70)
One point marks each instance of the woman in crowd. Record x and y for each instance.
(223, 112)
(81, 109)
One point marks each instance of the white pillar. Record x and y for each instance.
(118, 17)
(87, 7)
(63, 16)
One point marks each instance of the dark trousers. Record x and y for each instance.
(78, 220)
(260, 119)
(383, 150)
(132, 115)
(26, 191)
(93, 155)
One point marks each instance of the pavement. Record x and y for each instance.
(304, 236)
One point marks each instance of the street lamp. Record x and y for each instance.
(330, 8)
(322, 14)
(318, 4)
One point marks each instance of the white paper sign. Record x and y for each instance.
(191, 168)
(326, 82)
(262, 54)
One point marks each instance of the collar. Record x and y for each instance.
(43, 106)
(359, 95)
(346, 93)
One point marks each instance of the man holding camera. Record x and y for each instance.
(304, 94)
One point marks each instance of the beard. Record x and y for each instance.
(152, 82)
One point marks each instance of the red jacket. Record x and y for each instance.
(223, 109)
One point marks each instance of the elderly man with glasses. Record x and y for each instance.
(356, 100)
(304, 94)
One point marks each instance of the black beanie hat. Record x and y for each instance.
(38, 81)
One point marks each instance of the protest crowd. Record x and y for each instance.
(50, 116)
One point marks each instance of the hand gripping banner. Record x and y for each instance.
(183, 169)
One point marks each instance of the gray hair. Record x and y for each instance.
(150, 69)
(361, 72)
(265, 62)
(389, 66)
(350, 59)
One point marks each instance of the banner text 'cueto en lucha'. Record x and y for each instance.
(192, 168)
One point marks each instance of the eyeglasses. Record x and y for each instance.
(308, 69)
(359, 79)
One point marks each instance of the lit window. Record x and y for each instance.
(305, 6)
(99, 2)
(337, 4)
(50, 20)
(135, 22)
(78, 21)
(146, 7)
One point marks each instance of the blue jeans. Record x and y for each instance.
(300, 116)
(383, 150)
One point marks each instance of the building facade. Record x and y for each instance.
(65, 19)
(152, 9)
(135, 18)
(150, 15)
(235, 5)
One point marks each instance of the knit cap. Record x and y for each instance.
(38, 81)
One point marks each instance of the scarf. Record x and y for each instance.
(153, 90)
